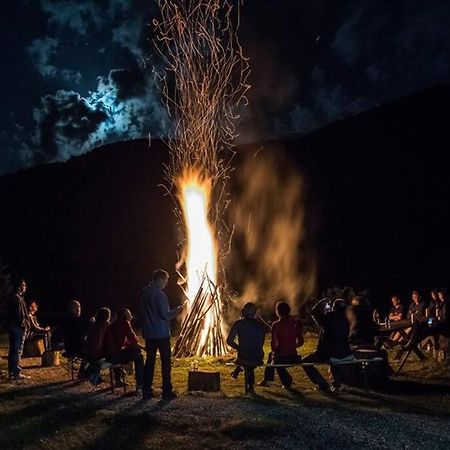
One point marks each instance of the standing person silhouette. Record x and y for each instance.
(156, 316)
(18, 326)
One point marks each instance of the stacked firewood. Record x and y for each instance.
(201, 330)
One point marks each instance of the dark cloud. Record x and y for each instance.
(64, 121)
(75, 14)
(129, 83)
(124, 106)
(41, 52)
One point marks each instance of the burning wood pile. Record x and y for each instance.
(201, 331)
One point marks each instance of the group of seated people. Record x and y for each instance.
(435, 314)
(100, 338)
(91, 339)
(346, 332)
(418, 308)
(344, 329)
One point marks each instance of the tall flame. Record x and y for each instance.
(200, 259)
(201, 247)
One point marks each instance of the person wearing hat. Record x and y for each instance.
(250, 332)
(121, 346)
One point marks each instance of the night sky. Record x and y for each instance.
(79, 73)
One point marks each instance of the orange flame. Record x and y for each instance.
(201, 249)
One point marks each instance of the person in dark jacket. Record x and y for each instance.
(287, 336)
(75, 329)
(435, 304)
(96, 334)
(362, 327)
(18, 326)
(121, 346)
(156, 316)
(417, 306)
(333, 345)
(250, 333)
(396, 312)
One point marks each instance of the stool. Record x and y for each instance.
(112, 367)
(73, 359)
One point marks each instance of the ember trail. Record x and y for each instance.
(203, 86)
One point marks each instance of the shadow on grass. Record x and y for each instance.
(26, 426)
(31, 414)
(21, 390)
(126, 429)
(405, 397)
(243, 429)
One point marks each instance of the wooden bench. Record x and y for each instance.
(104, 365)
(365, 362)
(111, 367)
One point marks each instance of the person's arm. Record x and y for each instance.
(163, 308)
(232, 336)
(300, 338)
(264, 323)
(14, 310)
(421, 309)
(318, 312)
(392, 315)
(35, 325)
(274, 342)
(130, 335)
(410, 309)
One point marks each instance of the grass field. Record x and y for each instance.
(50, 411)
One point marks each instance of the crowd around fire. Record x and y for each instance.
(351, 332)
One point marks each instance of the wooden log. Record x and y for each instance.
(33, 348)
(50, 358)
(203, 381)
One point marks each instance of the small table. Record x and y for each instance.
(408, 347)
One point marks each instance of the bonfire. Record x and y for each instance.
(203, 86)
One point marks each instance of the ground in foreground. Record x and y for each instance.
(51, 412)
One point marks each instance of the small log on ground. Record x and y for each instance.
(203, 381)
(33, 348)
(50, 358)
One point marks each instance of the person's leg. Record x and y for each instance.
(269, 372)
(249, 379)
(166, 368)
(312, 373)
(285, 377)
(16, 339)
(149, 367)
(117, 359)
(335, 376)
(138, 360)
(16, 342)
(47, 340)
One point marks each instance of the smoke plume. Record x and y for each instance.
(272, 255)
